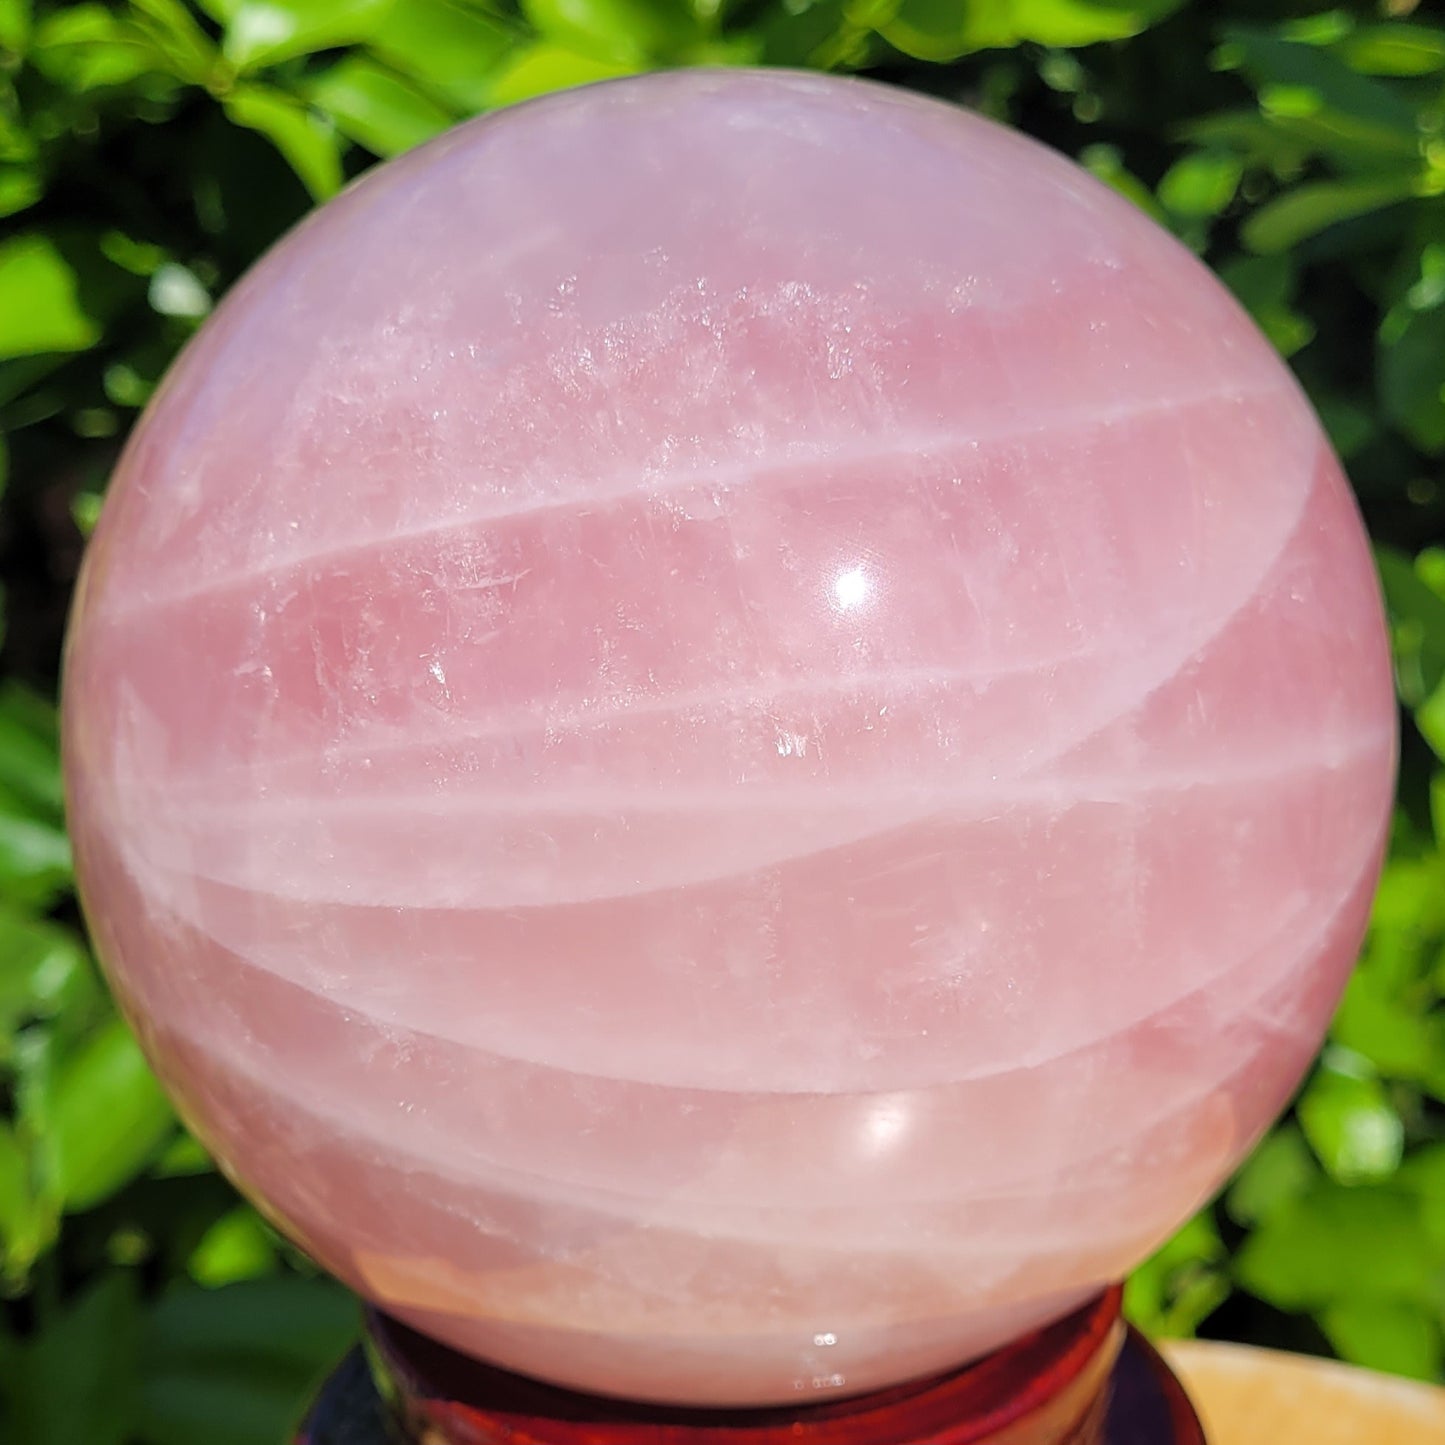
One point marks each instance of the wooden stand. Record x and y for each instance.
(1266, 1397)
(1087, 1380)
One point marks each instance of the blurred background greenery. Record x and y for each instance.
(150, 149)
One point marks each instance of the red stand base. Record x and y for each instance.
(1084, 1381)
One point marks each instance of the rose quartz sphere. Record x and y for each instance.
(729, 736)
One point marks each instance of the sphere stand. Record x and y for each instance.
(1086, 1380)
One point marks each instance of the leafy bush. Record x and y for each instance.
(149, 149)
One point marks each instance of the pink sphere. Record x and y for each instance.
(729, 736)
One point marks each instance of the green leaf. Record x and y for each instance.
(307, 142)
(14, 1186)
(1398, 1029)
(173, 31)
(628, 32)
(175, 291)
(1423, 1173)
(236, 1365)
(1309, 90)
(30, 750)
(1351, 1126)
(1417, 619)
(35, 859)
(40, 306)
(1411, 375)
(1178, 1288)
(75, 1383)
(29, 1218)
(1310, 208)
(15, 18)
(376, 107)
(20, 188)
(947, 29)
(1337, 1244)
(1403, 1339)
(1261, 142)
(28, 1224)
(1410, 900)
(1106, 164)
(107, 1117)
(44, 972)
(1201, 184)
(1266, 286)
(1276, 1175)
(237, 1246)
(1430, 719)
(447, 48)
(266, 32)
(541, 68)
(1351, 425)
(1393, 49)
(86, 47)
(802, 33)
(184, 1157)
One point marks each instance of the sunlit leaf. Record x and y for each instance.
(1201, 183)
(35, 857)
(175, 291)
(29, 1216)
(265, 32)
(27, 1222)
(1172, 1293)
(1335, 1243)
(945, 29)
(448, 48)
(15, 19)
(86, 46)
(107, 1117)
(1309, 80)
(20, 188)
(1279, 1171)
(43, 971)
(1258, 141)
(1351, 1126)
(627, 32)
(1106, 163)
(1377, 1021)
(307, 142)
(541, 68)
(174, 32)
(237, 1246)
(1384, 1335)
(40, 305)
(30, 750)
(1395, 49)
(376, 107)
(183, 1157)
(1310, 208)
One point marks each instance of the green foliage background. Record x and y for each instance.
(149, 150)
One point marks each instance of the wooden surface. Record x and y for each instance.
(1259, 1397)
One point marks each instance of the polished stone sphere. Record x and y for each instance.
(729, 736)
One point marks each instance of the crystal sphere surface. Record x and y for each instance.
(729, 736)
